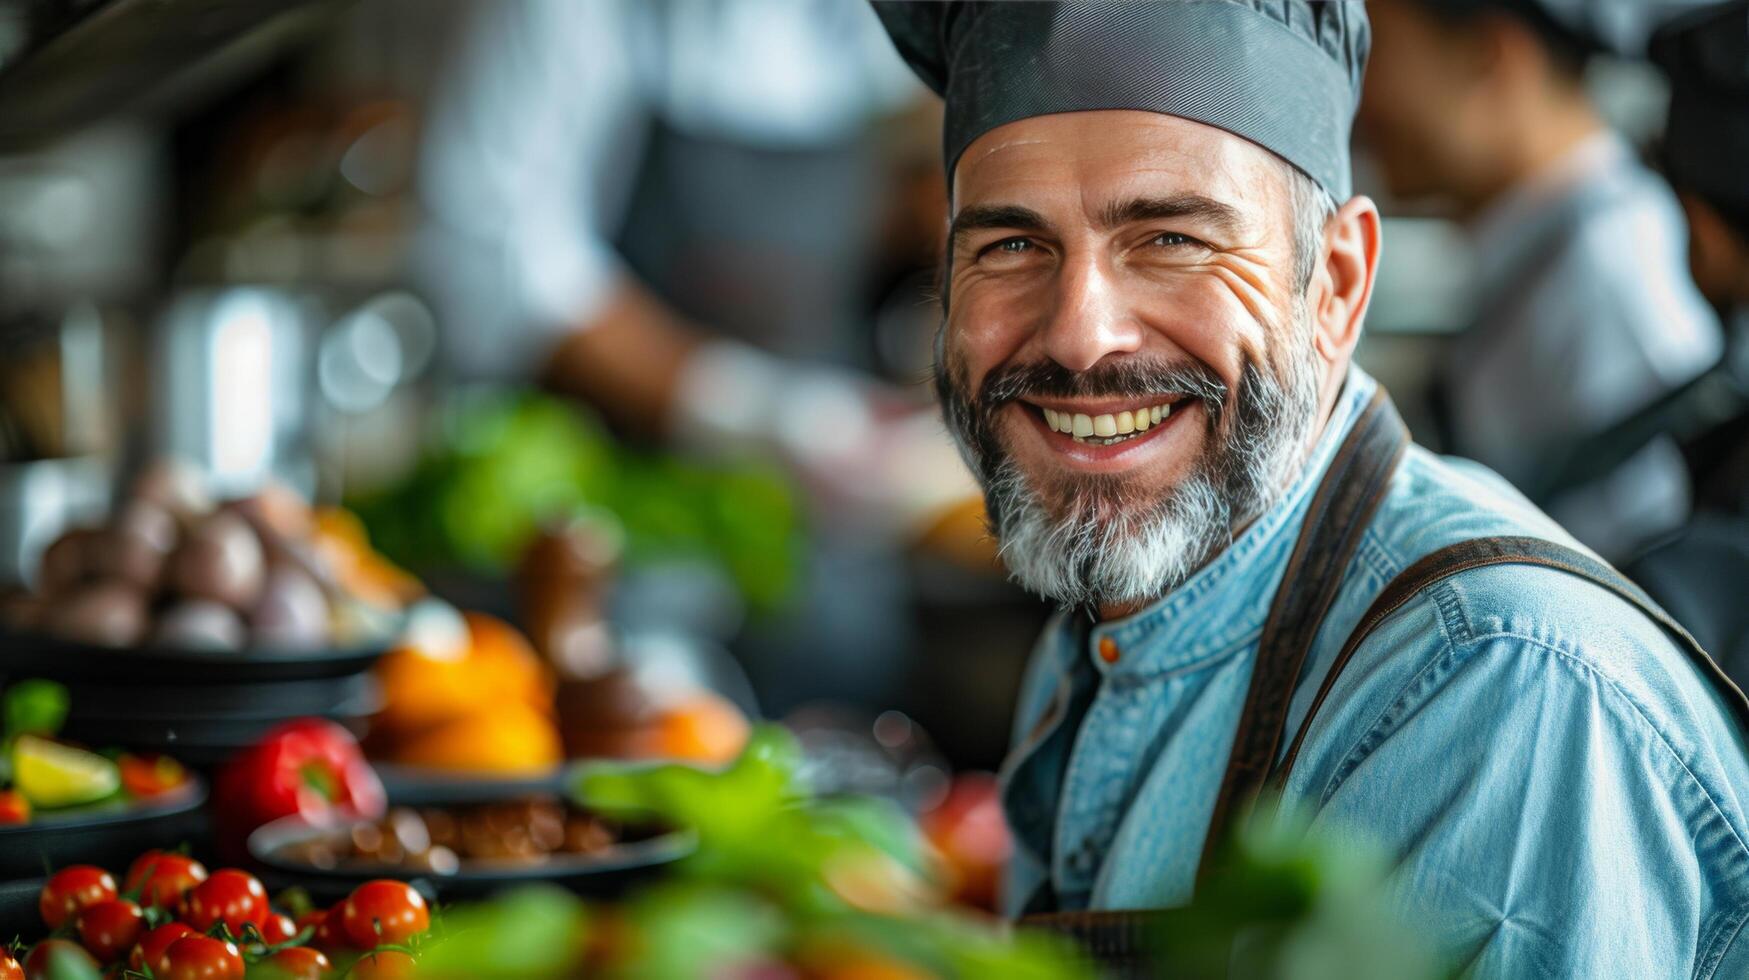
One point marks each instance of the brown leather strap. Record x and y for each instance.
(1481, 552)
(1335, 521)
(1120, 937)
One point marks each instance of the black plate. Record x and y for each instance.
(604, 875)
(102, 836)
(39, 655)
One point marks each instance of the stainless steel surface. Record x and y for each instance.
(234, 386)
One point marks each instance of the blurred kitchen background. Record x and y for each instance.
(340, 246)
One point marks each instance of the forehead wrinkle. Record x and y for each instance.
(984, 153)
(1008, 144)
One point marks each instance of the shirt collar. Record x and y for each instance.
(1224, 604)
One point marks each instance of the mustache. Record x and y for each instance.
(1129, 378)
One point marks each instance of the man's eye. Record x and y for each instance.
(1173, 238)
(1013, 246)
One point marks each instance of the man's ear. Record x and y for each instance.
(1343, 279)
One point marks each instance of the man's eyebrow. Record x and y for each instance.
(1223, 217)
(980, 217)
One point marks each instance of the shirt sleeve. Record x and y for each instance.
(1542, 826)
(531, 148)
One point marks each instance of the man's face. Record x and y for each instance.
(1108, 267)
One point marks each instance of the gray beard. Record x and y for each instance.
(1101, 541)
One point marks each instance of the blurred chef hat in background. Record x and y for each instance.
(1581, 28)
(1706, 142)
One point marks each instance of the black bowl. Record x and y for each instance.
(107, 835)
(355, 694)
(197, 705)
(73, 663)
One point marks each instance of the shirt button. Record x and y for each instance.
(1108, 649)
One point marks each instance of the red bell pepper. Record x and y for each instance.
(311, 768)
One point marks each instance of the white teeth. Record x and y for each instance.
(1051, 418)
(1104, 426)
(1083, 426)
(1143, 420)
(1126, 423)
(1158, 412)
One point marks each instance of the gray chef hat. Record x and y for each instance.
(1284, 74)
(1706, 139)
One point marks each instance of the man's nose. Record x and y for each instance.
(1091, 318)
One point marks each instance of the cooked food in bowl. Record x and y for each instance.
(445, 839)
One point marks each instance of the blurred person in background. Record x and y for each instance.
(1700, 573)
(1706, 148)
(1585, 310)
(668, 210)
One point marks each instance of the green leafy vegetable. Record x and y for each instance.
(533, 932)
(779, 874)
(502, 463)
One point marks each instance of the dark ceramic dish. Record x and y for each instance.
(603, 874)
(107, 835)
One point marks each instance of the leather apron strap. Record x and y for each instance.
(1481, 552)
(1344, 503)
(1337, 518)
(1123, 939)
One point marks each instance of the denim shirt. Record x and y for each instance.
(1562, 793)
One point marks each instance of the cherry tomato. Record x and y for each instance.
(229, 896)
(298, 963)
(383, 912)
(161, 878)
(56, 957)
(278, 928)
(10, 969)
(152, 946)
(71, 889)
(109, 929)
(14, 808)
(201, 958)
(330, 934)
(388, 964)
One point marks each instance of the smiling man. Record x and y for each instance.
(1156, 279)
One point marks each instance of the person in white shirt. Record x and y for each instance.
(624, 199)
